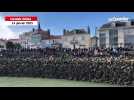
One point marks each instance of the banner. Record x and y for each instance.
(21, 20)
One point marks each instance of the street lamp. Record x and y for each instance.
(74, 42)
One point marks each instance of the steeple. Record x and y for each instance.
(88, 29)
(48, 31)
(96, 30)
(33, 29)
(64, 31)
(39, 28)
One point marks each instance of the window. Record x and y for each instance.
(102, 37)
(74, 39)
(53, 41)
(82, 38)
(106, 25)
(129, 39)
(132, 23)
(113, 38)
(119, 24)
(65, 38)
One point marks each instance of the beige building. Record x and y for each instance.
(39, 38)
(52, 41)
(116, 34)
(77, 38)
(26, 39)
(33, 38)
(2, 44)
(94, 41)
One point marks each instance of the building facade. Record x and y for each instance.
(94, 42)
(2, 44)
(26, 40)
(52, 41)
(39, 38)
(15, 41)
(34, 38)
(116, 34)
(77, 38)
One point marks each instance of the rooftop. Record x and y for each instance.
(54, 37)
(13, 39)
(2, 40)
(118, 24)
(75, 31)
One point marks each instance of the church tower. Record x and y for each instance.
(88, 30)
(96, 31)
(39, 28)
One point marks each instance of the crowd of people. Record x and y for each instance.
(99, 65)
(56, 51)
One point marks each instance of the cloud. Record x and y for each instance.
(5, 31)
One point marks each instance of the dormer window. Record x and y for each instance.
(119, 24)
(132, 22)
